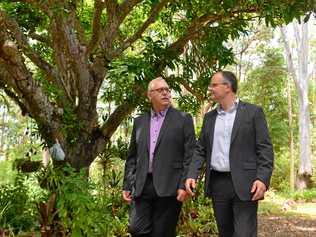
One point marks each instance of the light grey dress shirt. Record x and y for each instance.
(222, 137)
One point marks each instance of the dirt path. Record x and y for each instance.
(299, 221)
(294, 226)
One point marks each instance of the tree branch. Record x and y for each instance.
(80, 32)
(155, 10)
(18, 78)
(96, 25)
(40, 38)
(189, 88)
(71, 59)
(111, 28)
(43, 6)
(204, 21)
(127, 6)
(116, 15)
(249, 41)
(115, 119)
(289, 57)
(77, 74)
(111, 6)
(297, 36)
(22, 41)
(31, 100)
(120, 113)
(113, 122)
(4, 74)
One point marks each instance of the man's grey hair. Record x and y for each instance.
(150, 84)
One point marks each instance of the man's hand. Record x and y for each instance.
(181, 195)
(190, 185)
(258, 189)
(127, 196)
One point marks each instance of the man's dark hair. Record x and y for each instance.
(230, 79)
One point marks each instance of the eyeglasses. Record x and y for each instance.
(212, 85)
(161, 90)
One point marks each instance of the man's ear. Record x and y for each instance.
(230, 87)
(149, 97)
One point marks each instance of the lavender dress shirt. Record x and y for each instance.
(156, 121)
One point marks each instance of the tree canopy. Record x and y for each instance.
(58, 58)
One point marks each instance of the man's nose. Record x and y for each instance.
(164, 92)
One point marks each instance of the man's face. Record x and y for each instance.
(159, 94)
(218, 87)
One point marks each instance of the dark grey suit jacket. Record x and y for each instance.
(251, 152)
(172, 155)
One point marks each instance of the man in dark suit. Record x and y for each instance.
(160, 152)
(235, 145)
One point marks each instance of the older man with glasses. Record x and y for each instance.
(160, 151)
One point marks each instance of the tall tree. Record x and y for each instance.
(291, 136)
(301, 75)
(56, 55)
(265, 85)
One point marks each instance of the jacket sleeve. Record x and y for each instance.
(264, 148)
(199, 155)
(130, 164)
(189, 145)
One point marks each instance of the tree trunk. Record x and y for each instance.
(291, 137)
(301, 78)
(305, 167)
(3, 110)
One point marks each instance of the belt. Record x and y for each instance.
(221, 173)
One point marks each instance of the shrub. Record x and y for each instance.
(16, 209)
(308, 195)
(281, 174)
(84, 208)
(197, 217)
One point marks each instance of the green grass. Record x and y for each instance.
(286, 205)
(306, 209)
(269, 208)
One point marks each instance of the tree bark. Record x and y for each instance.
(291, 137)
(301, 79)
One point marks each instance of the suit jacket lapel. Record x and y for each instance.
(147, 130)
(210, 128)
(165, 126)
(238, 119)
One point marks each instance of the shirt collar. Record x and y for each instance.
(159, 114)
(220, 110)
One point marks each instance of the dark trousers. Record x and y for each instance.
(153, 216)
(234, 217)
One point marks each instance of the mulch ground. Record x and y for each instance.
(286, 226)
(283, 226)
